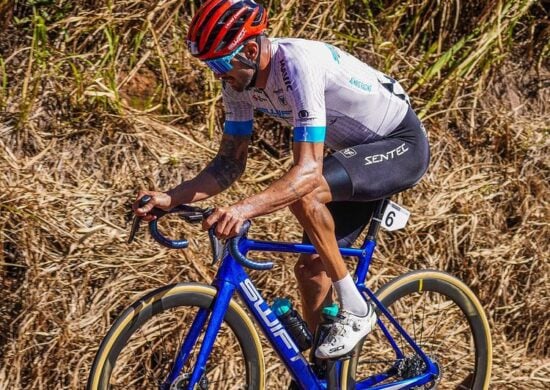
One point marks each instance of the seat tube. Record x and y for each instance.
(219, 309)
(370, 242)
(364, 261)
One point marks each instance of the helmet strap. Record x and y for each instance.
(252, 64)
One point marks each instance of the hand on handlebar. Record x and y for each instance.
(160, 200)
(228, 220)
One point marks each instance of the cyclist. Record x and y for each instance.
(330, 98)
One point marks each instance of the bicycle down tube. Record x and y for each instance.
(232, 277)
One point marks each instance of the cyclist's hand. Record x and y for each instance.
(159, 200)
(228, 221)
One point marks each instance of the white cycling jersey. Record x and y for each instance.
(326, 94)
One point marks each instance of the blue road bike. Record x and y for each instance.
(432, 331)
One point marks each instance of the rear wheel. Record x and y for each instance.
(444, 318)
(140, 348)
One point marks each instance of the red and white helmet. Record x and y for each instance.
(221, 26)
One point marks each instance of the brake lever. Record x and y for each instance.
(137, 220)
(215, 243)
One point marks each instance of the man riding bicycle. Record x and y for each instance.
(330, 98)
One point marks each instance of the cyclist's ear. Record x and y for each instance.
(251, 50)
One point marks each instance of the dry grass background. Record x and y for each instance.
(100, 98)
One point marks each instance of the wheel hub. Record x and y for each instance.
(182, 381)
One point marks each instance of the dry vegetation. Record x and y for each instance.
(100, 98)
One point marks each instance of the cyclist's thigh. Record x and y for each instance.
(360, 175)
(381, 168)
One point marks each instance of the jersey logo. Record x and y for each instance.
(303, 114)
(361, 85)
(393, 87)
(348, 152)
(378, 158)
(275, 113)
(286, 77)
(282, 100)
(334, 52)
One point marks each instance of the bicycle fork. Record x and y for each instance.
(217, 310)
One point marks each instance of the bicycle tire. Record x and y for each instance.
(425, 285)
(154, 304)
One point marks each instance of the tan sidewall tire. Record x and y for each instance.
(427, 280)
(182, 294)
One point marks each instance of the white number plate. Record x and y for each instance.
(395, 217)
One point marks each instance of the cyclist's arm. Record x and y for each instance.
(304, 177)
(219, 174)
(305, 87)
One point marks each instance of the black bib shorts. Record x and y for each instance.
(360, 175)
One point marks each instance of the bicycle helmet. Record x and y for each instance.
(219, 27)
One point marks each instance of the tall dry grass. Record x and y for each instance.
(98, 99)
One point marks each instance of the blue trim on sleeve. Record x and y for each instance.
(309, 134)
(239, 128)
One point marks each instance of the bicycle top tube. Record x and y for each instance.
(238, 246)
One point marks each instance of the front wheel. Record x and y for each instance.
(444, 317)
(141, 346)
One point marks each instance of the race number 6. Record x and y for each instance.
(395, 217)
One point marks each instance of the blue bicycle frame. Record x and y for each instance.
(232, 277)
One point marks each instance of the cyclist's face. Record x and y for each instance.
(238, 77)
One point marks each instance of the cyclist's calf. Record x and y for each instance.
(315, 288)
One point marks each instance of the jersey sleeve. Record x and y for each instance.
(239, 114)
(306, 85)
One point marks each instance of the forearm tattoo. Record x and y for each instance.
(229, 163)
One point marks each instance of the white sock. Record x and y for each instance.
(349, 297)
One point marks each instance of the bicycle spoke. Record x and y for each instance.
(451, 346)
(455, 360)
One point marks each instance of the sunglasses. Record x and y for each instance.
(223, 64)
